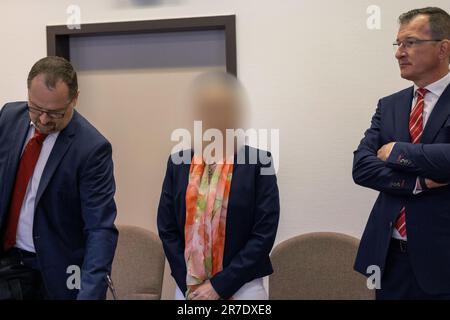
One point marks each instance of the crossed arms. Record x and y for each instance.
(396, 167)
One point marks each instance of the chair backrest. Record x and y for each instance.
(317, 266)
(138, 266)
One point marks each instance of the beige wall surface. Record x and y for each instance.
(312, 69)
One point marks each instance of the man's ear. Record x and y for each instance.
(444, 51)
(75, 99)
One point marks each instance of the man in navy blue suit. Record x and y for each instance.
(57, 188)
(405, 155)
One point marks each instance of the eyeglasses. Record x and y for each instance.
(411, 42)
(51, 114)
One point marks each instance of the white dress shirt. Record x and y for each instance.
(24, 236)
(435, 91)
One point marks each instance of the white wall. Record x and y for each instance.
(312, 69)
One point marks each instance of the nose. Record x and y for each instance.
(44, 118)
(400, 53)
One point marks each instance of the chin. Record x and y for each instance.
(46, 130)
(406, 76)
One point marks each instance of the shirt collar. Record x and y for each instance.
(437, 87)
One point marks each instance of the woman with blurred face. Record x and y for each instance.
(218, 214)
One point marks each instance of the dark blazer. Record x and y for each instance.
(75, 209)
(428, 213)
(252, 222)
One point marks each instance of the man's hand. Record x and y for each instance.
(385, 151)
(432, 184)
(204, 292)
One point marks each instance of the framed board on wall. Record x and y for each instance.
(58, 37)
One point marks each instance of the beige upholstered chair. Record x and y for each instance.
(317, 266)
(138, 267)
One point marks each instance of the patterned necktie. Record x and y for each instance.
(27, 164)
(415, 131)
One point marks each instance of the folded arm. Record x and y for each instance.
(371, 172)
(427, 160)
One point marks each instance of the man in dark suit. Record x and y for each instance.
(57, 188)
(405, 155)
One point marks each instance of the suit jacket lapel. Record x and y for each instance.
(21, 130)
(438, 116)
(402, 112)
(23, 126)
(62, 143)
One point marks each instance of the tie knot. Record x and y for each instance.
(39, 137)
(422, 92)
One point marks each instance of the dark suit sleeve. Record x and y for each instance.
(260, 242)
(371, 172)
(427, 160)
(169, 232)
(1, 112)
(1, 128)
(97, 188)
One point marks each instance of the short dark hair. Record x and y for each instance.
(439, 20)
(55, 69)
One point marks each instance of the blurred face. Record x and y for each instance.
(217, 107)
(50, 109)
(422, 62)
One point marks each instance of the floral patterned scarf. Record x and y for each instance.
(206, 212)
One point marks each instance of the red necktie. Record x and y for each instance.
(415, 130)
(27, 163)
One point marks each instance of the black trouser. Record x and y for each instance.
(398, 281)
(20, 278)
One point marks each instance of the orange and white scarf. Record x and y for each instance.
(206, 214)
